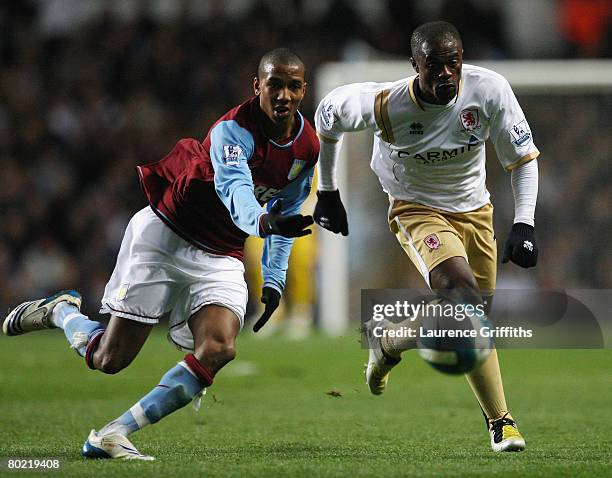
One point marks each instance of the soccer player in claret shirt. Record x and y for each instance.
(181, 255)
(429, 154)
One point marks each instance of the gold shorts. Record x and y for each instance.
(430, 236)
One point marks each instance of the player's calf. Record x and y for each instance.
(117, 347)
(110, 364)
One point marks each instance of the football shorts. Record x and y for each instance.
(430, 236)
(158, 273)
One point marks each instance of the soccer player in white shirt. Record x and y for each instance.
(429, 155)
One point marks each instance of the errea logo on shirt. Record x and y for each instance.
(232, 154)
(416, 128)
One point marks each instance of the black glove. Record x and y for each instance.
(274, 222)
(270, 297)
(329, 212)
(521, 247)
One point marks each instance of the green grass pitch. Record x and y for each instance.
(270, 414)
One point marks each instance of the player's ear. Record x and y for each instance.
(304, 88)
(414, 64)
(256, 86)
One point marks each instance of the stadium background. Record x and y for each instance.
(91, 88)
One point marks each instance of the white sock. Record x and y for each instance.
(61, 312)
(115, 427)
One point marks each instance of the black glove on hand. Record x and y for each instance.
(329, 212)
(274, 222)
(270, 297)
(521, 247)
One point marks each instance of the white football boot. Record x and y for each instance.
(36, 314)
(379, 364)
(505, 435)
(113, 445)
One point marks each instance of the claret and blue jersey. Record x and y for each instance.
(212, 193)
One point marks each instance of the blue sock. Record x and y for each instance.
(175, 390)
(77, 327)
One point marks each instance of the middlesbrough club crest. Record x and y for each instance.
(432, 242)
(470, 119)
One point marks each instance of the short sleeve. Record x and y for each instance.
(342, 111)
(510, 132)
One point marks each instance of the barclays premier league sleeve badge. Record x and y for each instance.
(232, 154)
(520, 133)
(327, 115)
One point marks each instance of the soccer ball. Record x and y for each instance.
(455, 346)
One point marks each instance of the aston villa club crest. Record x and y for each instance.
(296, 168)
(470, 119)
(432, 242)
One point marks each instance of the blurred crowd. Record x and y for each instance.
(91, 88)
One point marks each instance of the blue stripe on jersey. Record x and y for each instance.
(276, 250)
(231, 146)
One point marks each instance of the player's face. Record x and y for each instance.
(439, 68)
(281, 89)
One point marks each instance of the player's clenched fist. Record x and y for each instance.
(329, 212)
(274, 222)
(521, 247)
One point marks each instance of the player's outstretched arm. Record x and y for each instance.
(231, 147)
(275, 222)
(277, 248)
(521, 247)
(341, 111)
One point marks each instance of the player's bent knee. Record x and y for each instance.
(222, 351)
(462, 292)
(216, 353)
(459, 288)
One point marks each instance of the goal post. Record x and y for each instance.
(338, 301)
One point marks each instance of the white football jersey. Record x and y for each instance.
(433, 154)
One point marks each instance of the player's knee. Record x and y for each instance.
(460, 288)
(217, 353)
(224, 351)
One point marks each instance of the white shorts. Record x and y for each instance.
(159, 273)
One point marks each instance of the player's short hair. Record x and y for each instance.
(279, 56)
(433, 31)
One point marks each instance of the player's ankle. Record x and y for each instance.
(499, 415)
